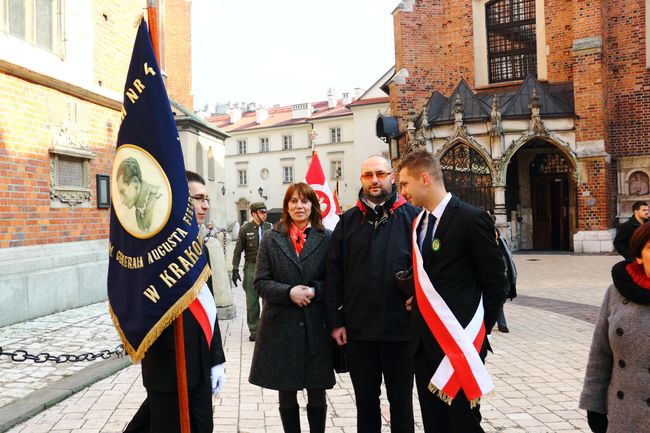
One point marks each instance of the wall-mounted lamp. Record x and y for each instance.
(223, 188)
(260, 190)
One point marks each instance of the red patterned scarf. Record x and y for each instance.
(298, 237)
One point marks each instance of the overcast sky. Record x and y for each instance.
(288, 51)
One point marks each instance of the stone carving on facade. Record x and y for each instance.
(638, 184)
(536, 125)
(424, 134)
(495, 119)
(415, 138)
(68, 134)
(459, 134)
(70, 196)
(243, 204)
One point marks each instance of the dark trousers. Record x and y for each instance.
(438, 416)
(367, 362)
(159, 412)
(501, 320)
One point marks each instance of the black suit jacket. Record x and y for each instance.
(467, 265)
(159, 363)
(623, 235)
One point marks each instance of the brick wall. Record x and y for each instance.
(628, 78)
(115, 26)
(178, 51)
(558, 15)
(26, 217)
(594, 209)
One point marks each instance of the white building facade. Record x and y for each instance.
(269, 149)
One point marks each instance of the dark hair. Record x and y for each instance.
(637, 205)
(194, 177)
(305, 191)
(419, 161)
(639, 239)
(128, 169)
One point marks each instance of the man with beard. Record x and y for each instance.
(626, 230)
(365, 309)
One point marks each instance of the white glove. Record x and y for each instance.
(218, 376)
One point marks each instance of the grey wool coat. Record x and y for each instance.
(617, 381)
(293, 350)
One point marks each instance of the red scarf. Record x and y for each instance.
(298, 237)
(637, 272)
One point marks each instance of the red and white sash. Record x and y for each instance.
(204, 310)
(462, 366)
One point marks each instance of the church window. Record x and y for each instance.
(511, 39)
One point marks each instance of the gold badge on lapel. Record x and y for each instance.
(435, 245)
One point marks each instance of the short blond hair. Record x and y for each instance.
(420, 161)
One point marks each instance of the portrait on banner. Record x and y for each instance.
(141, 192)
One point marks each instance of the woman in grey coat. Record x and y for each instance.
(616, 391)
(293, 347)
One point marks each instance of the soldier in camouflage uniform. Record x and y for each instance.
(248, 241)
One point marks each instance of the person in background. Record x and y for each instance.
(248, 241)
(616, 392)
(511, 272)
(625, 230)
(293, 350)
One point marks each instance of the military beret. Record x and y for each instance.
(258, 206)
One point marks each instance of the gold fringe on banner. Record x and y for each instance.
(447, 399)
(167, 318)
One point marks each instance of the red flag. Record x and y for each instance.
(329, 204)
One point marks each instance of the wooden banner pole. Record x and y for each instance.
(179, 340)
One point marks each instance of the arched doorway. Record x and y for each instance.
(541, 195)
(468, 176)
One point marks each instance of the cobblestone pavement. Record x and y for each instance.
(538, 367)
(82, 330)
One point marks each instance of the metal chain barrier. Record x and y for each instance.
(23, 355)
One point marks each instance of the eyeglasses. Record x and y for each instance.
(200, 198)
(380, 174)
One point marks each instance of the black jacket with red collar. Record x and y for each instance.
(366, 251)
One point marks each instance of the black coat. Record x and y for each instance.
(367, 251)
(159, 363)
(623, 235)
(467, 265)
(293, 349)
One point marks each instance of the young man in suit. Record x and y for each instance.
(204, 365)
(460, 284)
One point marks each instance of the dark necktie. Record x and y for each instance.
(427, 250)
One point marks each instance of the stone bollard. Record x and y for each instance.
(220, 279)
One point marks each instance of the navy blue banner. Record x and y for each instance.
(156, 262)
